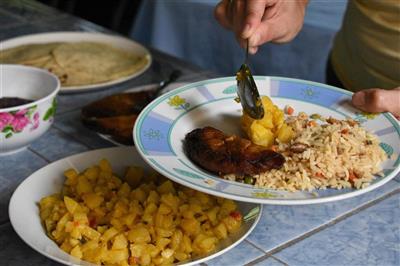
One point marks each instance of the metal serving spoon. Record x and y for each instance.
(247, 90)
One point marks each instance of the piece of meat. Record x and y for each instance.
(115, 115)
(216, 152)
(118, 104)
(118, 127)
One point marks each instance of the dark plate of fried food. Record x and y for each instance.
(114, 116)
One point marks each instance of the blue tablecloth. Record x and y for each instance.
(188, 30)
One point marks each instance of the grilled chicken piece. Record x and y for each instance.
(118, 127)
(118, 104)
(216, 152)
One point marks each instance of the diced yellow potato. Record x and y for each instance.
(137, 249)
(71, 205)
(91, 244)
(80, 218)
(264, 131)
(153, 198)
(171, 200)
(261, 136)
(90, 233)
(164, 209)
(162, 242)
(195, 208)
(161, 232)
(152, 250)
(278, 118)
(138, 194)
(116, 256)
(76, 233)
(176, 239)
(285, 133)
(76, 252)
(105, 166)
(220, 231)
(212, 215)
(66, 246)
(166, 187)
(72, 176)
(129, 218)
(62, 222)
(73, 242)
(109, 234)
(120, 209)
(190, 226)
(181, 256)
(92, 172)
(232, 224)
(139, 235)
(187, 213)
(145, 259)
(117, 223)
(167, 253)
(267, 121)
(99, 219)
(120, 242)
(204, 244)
(267, 102)
(134, 175)
(101, 229)
(164, 221)
(227, 206)
(92, 200)
(124, 190)
(83, 185)
(151, 208)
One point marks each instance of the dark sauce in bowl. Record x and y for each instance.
(6, 102)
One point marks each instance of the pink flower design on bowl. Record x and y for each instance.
(16, 121)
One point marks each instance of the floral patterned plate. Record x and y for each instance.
(163, 124)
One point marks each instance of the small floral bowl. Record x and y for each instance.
(22, 124)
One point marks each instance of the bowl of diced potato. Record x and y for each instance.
(106, 207)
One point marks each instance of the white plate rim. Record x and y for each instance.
(13, 215)
(161, 169)
(73, 36)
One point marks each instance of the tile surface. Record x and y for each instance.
(270, 261)
(296, 235)
(240, 255)
(371, 237)
(13, 251)
(280, 224)
(55, 145)
(13, 170)
(70, 123)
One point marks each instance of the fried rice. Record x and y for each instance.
(327, 153)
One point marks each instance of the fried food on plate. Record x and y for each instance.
(229, 154)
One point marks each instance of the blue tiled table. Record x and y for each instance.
(361, 231)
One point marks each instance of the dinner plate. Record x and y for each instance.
(113, 40)
(48, 180)
(161, 128)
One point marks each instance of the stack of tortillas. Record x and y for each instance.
(79, 63)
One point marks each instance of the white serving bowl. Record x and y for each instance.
(22, 124)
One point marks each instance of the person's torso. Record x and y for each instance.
(366, 51)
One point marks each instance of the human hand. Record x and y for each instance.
(378, 100)
(261, 21)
